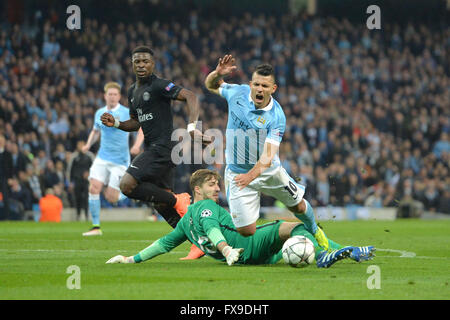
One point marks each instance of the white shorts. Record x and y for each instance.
(107, 172)
(245, 204)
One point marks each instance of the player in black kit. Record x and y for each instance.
(150, 176)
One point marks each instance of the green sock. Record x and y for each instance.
(300, 230)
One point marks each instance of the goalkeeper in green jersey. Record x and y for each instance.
(210, 228)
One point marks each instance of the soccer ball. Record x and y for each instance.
(298, 251)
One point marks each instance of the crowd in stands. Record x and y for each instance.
(367, 111)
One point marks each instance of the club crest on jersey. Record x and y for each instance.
(206, 213)
(146, 96)
(261, 120)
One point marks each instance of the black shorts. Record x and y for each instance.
(150, 166)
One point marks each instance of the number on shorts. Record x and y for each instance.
(292, 189)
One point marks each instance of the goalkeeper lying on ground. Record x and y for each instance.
(210, 227)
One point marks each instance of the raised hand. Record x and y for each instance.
(226, 65)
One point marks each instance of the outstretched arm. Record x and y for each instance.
(160, 246)
(215, 78)
(155, 249)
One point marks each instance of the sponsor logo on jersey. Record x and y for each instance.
(238, 122)
(144, 117)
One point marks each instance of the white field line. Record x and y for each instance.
(407, 254)
(75, 251)
(403, 253)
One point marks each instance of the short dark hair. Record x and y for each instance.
(265, 69)
(143, 49)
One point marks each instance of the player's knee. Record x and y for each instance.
(93, 189)
(127, 185)
(247, 231)
(126, 188)
(112, 197)
(299, 208)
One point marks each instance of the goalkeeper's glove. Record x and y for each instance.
(120, 259)
(231, 254)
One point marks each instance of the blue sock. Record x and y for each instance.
(308, 218)
(94, 209)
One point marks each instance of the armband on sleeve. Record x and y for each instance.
(216, 236)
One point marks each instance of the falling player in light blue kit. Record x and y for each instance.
(256, 124)
(111, 161)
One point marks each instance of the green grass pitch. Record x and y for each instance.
(413, 260)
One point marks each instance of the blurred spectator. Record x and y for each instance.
(26, 196)
(375, 200)
(19, 199)
(444, 202)
(35, 184)
(442, 146)
(50, 176)
(19, 160)
(51, 207)
(78, 173)
(430, 196)
(323, 188)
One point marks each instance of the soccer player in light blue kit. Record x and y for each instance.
(112, 160)
(256, 124)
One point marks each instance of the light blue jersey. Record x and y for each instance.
(114, 142)
(249, 128)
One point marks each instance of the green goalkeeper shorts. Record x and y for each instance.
(264, 247)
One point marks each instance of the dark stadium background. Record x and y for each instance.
(367, 110)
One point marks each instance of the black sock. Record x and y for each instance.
(168, 213)
(149, 192)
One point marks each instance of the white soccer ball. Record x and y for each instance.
(298, 251)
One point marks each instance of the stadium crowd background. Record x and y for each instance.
(367, 111)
